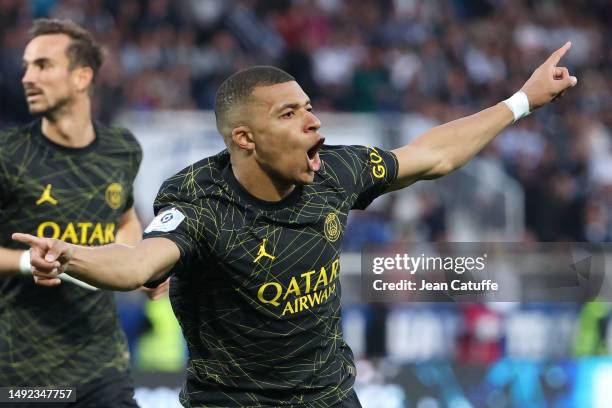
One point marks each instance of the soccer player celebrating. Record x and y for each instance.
(252, 238)
(65, 177)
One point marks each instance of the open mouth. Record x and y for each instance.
(314, 161)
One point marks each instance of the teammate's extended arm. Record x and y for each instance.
(113, 267)
(447, 147)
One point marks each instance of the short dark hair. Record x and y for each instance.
(239, 87)
(82, 51)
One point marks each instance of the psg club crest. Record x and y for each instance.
(332, 227)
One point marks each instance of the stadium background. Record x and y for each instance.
(379, 73)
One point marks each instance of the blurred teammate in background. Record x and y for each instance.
(252, 238)
(66, 177)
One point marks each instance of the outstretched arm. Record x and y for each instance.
(447, 147)
(113, 267)
(130, 233)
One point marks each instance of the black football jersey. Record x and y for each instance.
(257, 290)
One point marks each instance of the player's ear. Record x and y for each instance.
(243, 137)
(83, 76)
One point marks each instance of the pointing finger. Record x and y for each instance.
(556, 56)
(28, 239)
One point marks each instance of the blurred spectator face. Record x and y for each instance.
(286, 132)
(49, 82)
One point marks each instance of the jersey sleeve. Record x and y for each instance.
(363, 172)
(181, 220)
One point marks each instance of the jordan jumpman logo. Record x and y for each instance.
(262, 251)
(46, 197)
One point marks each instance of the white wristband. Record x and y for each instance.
(518, 104)
(24, 263)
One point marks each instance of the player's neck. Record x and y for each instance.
(72, 127)
(259, 184)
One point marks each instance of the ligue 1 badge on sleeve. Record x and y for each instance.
(166, 221)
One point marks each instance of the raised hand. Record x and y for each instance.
(549, 81)
(48, 257)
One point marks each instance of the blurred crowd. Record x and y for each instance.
(441, 59)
